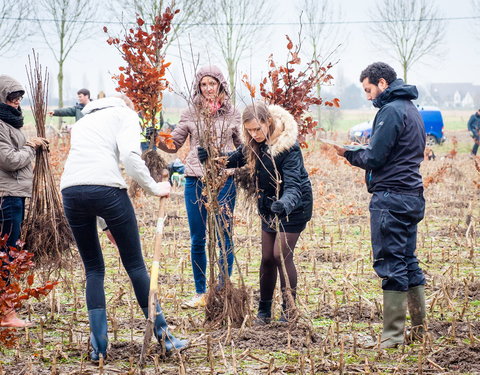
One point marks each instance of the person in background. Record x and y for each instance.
(474, 129)
(275, 160)
(16, 172)
(83, 97)
(392, 173)
(210, 96)
(92, 186)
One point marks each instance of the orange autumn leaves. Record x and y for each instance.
(294, 88)
(143, 79)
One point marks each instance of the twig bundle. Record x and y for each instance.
(45, 231)
(226, 304)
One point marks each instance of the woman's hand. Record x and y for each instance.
(164, 189)
(37, 142)
(202, 154)
(278, 207)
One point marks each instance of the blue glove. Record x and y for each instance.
(202, 154)
(278, 207)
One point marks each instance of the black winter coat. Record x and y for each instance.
(392, 159)
(295, 190)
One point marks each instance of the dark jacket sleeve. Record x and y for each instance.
(388, 126)
(65, 112)
(471, 124)
(236, 159)
(292, 183)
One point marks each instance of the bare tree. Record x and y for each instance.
(411, 28)
(234, 26)
(13, 26)
(70, 19)
(189, 17)
(323, 37)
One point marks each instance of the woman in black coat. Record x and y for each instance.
(284, 190)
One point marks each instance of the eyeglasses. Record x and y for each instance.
(19, 99)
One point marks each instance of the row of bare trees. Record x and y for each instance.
(410, 30)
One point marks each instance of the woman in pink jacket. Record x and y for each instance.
(210, 95)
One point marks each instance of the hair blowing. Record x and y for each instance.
(256, 111)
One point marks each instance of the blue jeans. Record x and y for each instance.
(12, 211)
(82, 205)
(476, 141)
(197, 221)
(393, 221)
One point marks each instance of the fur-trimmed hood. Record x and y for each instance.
(286, 130)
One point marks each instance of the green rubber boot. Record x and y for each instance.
(394, 313)
(416, 307)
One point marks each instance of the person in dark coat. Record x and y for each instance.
(273, 154)
(83, 96)
(474, 129)
(392, 162)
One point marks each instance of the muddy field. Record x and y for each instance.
(339, 295)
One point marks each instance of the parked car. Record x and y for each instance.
(432, 118)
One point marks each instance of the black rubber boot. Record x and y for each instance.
(98, 333)
(162, 332)
(264, 315)
(416, 307)
(394, 313)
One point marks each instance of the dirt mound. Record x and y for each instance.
(462, 329)
(462, 359)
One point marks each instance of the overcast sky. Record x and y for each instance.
(93, 61)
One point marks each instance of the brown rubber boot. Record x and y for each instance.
(416, 307)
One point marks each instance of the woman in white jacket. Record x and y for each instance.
(92, 185)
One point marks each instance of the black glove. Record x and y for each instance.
(202, 154)
(278, 207)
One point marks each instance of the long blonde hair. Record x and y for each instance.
(256, 111)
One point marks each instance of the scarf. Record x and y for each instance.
(11, 115)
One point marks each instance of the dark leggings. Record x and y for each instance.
(271, 262)
(82, 205)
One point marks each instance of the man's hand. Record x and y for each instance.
(37, 142)
(278, 207)
(340, 150)
(164, 189)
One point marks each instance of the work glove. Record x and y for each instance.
(202, 154)
(278, 207)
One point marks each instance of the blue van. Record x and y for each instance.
(432, 118)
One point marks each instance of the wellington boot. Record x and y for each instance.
(163, 334)
(394, 312)
(416, 307)
(98, 333)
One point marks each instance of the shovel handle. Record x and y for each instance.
(158, 239)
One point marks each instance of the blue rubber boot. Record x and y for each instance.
(98, 333)
(161, 331)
